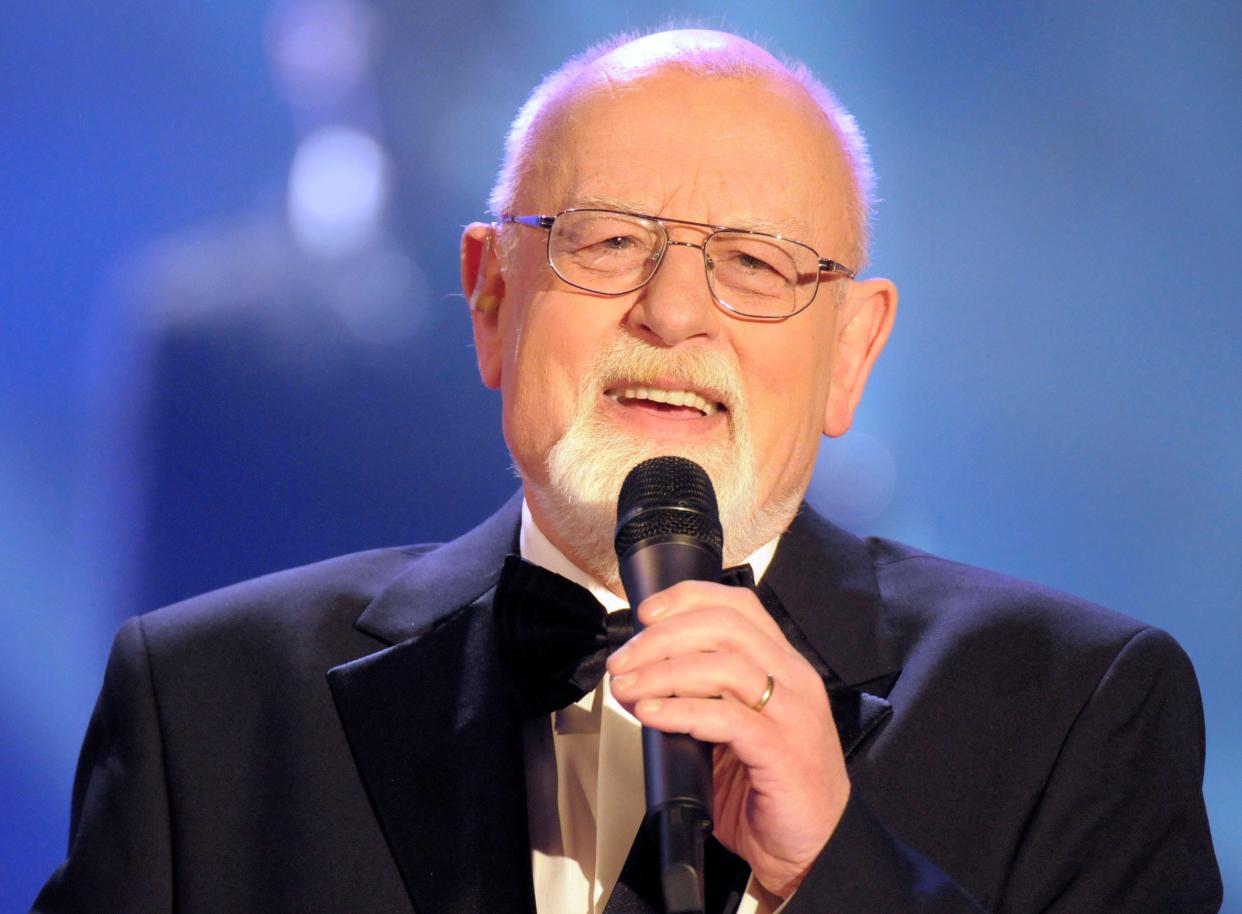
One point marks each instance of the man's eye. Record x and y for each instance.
(743, 263)
(750, 262)
(616, 243)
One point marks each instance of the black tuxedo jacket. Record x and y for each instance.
(342, 738)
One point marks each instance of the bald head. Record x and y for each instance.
(531, 163)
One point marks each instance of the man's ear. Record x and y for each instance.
(484, 288)
(864, 321)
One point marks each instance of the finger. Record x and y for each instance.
(707, 719)
(722, 674)
(761, 742)
(691, 595)
(717, 628)
(757, 741)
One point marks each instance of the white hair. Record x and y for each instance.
(688, 52)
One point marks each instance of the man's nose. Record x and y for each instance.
(676, 305)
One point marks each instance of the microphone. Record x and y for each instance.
(668, 530)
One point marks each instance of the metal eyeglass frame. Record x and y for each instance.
(546, 223)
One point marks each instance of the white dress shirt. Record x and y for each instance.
(584, 774)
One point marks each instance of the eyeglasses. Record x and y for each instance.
(752, 274)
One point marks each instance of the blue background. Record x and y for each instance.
(197, 386)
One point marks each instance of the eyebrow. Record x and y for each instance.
(794, 229)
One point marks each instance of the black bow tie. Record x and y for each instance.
(555, 637)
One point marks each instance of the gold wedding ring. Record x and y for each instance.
(766, 696)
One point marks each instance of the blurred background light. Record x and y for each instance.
(321, 50)
(337, 190)
(380, 294)
(854, 480)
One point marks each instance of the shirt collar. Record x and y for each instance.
(536, 548)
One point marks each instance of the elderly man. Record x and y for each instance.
(672, 270)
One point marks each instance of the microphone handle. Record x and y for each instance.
(677, 768)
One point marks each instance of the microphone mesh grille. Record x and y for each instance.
(663, 496)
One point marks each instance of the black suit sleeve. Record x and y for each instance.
(864, 869)
(1119, 828)
(120, 858)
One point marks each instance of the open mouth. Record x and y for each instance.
(671, 401)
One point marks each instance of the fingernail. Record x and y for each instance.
(654, 608)
(619, 661)
(649, 705)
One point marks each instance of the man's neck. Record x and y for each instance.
(539, 546)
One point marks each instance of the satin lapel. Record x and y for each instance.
(822, 580)
(857, 714)
(436, 735)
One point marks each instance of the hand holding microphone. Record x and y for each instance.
(698, 672)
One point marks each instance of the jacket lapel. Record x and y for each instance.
(822, 580)
(444, 771)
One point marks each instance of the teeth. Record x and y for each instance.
(672, 397)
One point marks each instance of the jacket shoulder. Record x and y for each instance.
(330, 612)
(304, 604)
(924, 591)
(1007, 635)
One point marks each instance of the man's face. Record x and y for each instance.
(747, 154)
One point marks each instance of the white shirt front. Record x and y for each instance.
(584, 774)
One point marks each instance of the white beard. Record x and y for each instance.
(587, 466)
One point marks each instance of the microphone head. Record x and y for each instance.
(667, 498)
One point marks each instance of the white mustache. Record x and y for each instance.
(713, 372)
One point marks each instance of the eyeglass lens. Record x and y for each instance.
(612, 253)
